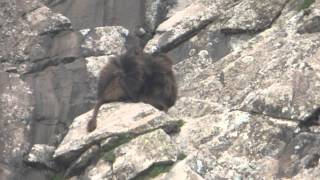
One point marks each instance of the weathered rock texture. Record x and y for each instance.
(137, 156)
(248, 73)
(114, 120)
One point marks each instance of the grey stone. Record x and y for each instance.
(179, 28)
(82, 162)
(64, 100)
(225, 32)
(247, 73)
(102, 170)
(120, 118)
(40, 155)
(140, 154)
(96, 13)
(155, 12)
(259, 141)
(311, 22)
(180, 171)
(105, 41)
(16, 107)
(43, 20)
(253, 15)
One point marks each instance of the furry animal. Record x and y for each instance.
(136, 77)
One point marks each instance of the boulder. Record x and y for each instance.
(113, 120)
(43, 21)
(136, 158)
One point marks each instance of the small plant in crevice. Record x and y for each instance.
(58, 176)
(181, 156)
(117, 141)
(174, 128)
(180, 123)
(109, 157)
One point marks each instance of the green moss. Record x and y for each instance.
(181, 156)
(305, 4)
(120, 139)
(154, 171)
(58, 176)
(173, 128)
(180, 123)
(109, 156)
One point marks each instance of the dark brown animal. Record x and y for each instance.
(136, 77)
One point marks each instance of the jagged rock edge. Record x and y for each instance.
(176, 125)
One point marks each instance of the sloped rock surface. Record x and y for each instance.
(113, 120)
(241, 143)
(270, 80)
(247, 74)
(258, 71)
(180, 26)
(82, 162)
(136, 157)
(142, 152)
(252, 16)
(45, 81)
(180, 171)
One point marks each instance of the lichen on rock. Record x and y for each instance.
(247, 72)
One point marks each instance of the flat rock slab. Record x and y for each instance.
(113, 119)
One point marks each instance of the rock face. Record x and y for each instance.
(247, 74)
(16, 106)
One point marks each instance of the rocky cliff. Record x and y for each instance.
(247, 71)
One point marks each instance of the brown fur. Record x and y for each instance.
(136, 77)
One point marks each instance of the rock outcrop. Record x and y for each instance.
(247, 74)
